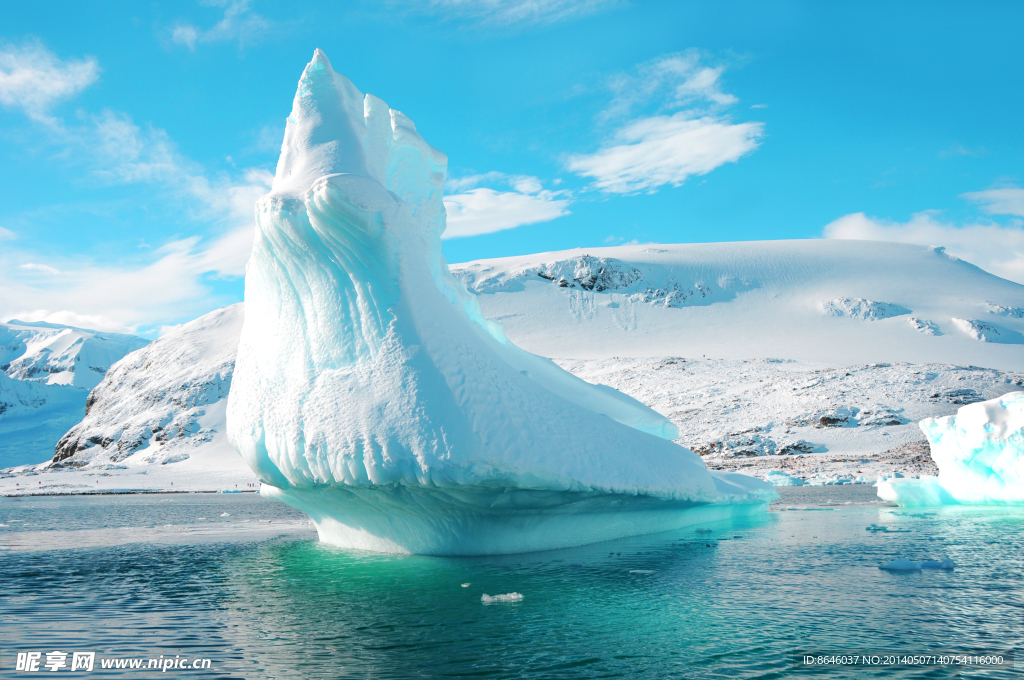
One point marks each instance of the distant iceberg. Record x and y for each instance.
(980, 455)
(371, 393)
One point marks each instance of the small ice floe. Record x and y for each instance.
(886, 530)
(225, 514)
(641, 571)
(903, 564)
(780, 478)
(507, 597)
(466, 585)
(200, 518)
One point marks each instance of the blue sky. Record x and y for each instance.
(135, 137)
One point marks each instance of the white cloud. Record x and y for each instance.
(133, 155)
(7, 235)
(484, 210)
(684, 133)
(659, 150)
(513, 12)
(995, 248)
(40, 268)
(155, 286)
(34, 79)
(239, 23)
(671, 81)
(1004, 201)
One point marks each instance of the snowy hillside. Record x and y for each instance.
(47, 372)
(827, 301)
(756, 415)
(832, 348)
(163, 404)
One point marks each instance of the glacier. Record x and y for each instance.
(371, 393)
(979, 453)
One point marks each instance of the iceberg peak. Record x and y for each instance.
(371, 393)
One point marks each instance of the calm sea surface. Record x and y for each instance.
(242, 581)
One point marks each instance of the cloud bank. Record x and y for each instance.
(477, 210)
(997, 249)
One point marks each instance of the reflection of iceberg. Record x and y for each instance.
(980, 455)
(370, 392)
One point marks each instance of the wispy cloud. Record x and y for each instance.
(1003, 201)
(7, 235)
(479, 210)
(34, 79)
(238, 24)
(509, 13)
(40, 268)
(663, 150)
(148, 287)
(670, 82)
(995, 248)
(685, 131)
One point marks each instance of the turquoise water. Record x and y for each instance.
(734, 603)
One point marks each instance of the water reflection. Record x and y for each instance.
(736, 602)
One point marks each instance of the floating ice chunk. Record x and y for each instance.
(466, 585)
(938, 564)
(886, 530)
(507, 597)
(980, 455)
(903, 564)
(371, 393)
(225, 514)
(780, 478)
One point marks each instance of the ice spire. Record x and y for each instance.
(370, 392)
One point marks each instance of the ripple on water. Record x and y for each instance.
(737, 602)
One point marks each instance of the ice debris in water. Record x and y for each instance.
(903, 564)
(886, 530)
(507, 597)
(780, 478)
(466, 585)
(225, 514)
(979, 453)
(371, 393)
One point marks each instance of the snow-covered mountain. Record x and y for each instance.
(47, 372)
(830, 347)
(833, 302)
(164, 403)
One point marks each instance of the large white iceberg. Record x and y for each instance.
(979, 453)
(371, 393)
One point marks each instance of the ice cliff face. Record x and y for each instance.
(980, 455)
(158, 404)
(46, 372)
(371, 393)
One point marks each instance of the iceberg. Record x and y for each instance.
(979, 453)
(371, 393)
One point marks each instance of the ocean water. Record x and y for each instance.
(242, 581)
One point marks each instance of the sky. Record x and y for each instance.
(135, 137)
